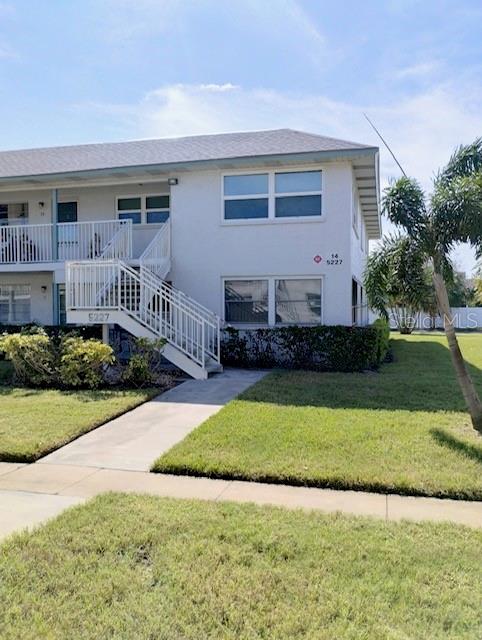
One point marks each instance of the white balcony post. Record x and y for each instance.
(55, 244)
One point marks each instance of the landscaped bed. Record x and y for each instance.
(144, 567)
(401, 430)
(34, 422)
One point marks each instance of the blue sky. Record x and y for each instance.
(74, 71)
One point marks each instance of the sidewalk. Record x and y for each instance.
(54, 487)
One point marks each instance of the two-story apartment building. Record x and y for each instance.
(174, 237)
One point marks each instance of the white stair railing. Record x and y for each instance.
(164, 310)
(120, 244)
(81, 240)
(156, 258)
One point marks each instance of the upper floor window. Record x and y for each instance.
(150, 209)
(286, 194)
(298, 194)
(14, 213)
(246, 196)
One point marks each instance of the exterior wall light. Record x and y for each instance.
(172, 181)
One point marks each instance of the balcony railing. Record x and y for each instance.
(34, 243)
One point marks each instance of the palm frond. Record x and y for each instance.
(465, 161)
(404, 204)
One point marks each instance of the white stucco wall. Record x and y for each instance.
(205, 249)
(41, 302)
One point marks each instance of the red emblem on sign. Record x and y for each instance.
(317, 259)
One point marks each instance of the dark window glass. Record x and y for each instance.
(135, 216)
(298, 301)
(298, 206)
(66, 212)
(246, 185)
(246, 301)
(298, 181)
(128, 204)
(157, 202)
(62, 308)
(245, 209)
(156, 217)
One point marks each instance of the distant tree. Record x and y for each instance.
(451, 215)
(459, 293)
(478, 285)
(396, 282)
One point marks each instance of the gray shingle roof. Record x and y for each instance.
(91, 157)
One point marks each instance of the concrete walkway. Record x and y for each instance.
(43, 490)
(133, 441)
(117, 457)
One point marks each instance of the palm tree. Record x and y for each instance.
(396, 281)
(451, 215)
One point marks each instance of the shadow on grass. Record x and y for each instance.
(421, 378)
(460, 446)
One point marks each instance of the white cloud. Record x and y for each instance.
(218, 87)
(417, 70)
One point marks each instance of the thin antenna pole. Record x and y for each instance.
(385, 143)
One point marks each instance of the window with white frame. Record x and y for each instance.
(144, 209)
(246, 301)
(298, 301)
(262, 301)
(272, 195)
(298, 194)
(14, 213)
(246, 196)
(14, 303)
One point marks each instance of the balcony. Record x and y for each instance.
(47, 243)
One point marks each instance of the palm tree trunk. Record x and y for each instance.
(474, 405)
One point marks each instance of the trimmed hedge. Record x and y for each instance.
(55, 330)
(320, 348)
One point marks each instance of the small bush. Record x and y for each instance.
(144, 364)
(321, 348)
(383, 329)
(33, 356)
(82, 362)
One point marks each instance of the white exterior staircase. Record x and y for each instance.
(143, 303)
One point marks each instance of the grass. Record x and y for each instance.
(34, 422)
(402, 430)
(146, 567)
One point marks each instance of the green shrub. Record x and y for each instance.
(320, 348)
(82, 361)
(383, 329)
(33, 356)
(144, 363)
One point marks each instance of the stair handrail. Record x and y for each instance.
(111, 248)
(156, 257)
(169, 313)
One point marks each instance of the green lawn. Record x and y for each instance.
(401, 430)
(143, 567)
(34, 422)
